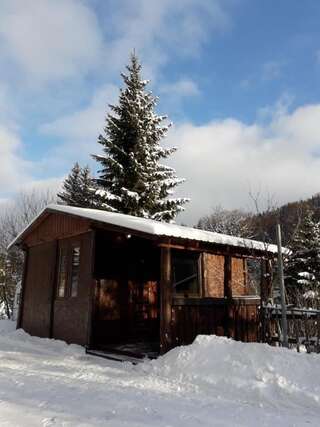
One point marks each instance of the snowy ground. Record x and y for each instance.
(214, 382)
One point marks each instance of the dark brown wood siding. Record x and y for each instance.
(56, 226)
(36, 314)
(71, 314)
(237, 318)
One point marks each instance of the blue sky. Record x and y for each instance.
(239, 79)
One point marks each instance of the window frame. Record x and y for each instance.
(62, 253)
(67, 247)
(197, 256)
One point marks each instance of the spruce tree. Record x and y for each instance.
(132, 180)
(77, 189)
(302, 266)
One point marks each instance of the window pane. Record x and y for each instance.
(253, 276)
(185, 274)
(75, 270)
(62, 279)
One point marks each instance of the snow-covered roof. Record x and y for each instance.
(152, 228)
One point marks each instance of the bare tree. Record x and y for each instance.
(235, 222)
(13, 219)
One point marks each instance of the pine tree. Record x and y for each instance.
(132, 180)
(302, 267)
(78, 188)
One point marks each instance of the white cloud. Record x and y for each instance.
(54, 40)
(14, 170)
(184, 87)
(223, 160)
(79, 131)
(43, 186)
(49, 39)
(159, 30)
(86, 123)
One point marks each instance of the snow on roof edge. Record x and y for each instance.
(151, 227)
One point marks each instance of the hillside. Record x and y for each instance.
(288, 214)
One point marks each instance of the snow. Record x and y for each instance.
(310, 295)
(151, 227)
(7, 326)
(213, 382)
(307, 275)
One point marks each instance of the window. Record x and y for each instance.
(75, 270)
(62, 279)
(69, 269)
(254, 275)
(185, 271)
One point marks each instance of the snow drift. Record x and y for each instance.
(251, 373)
(213, 382)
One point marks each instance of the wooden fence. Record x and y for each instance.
(237, 318)
(303, 327)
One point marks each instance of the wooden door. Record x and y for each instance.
(39, 288)
(143, 309)
(72, 306)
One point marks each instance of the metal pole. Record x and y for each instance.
(284, 325)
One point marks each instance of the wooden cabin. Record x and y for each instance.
(121, 283)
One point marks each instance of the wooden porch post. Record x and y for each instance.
(266, 282)
(265, 294)
(229, 327)
(165, 300)
(227, 277)
(91, 241)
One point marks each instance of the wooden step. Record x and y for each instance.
(114, 356)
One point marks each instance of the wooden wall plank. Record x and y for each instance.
(165, 301)
(56, 226)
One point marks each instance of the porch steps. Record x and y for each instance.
(115, 356)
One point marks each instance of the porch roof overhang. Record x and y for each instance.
(148, 228)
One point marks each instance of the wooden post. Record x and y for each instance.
(165, 300)
(227, 277)
(229, 327)
(265, 295)
(284, 325)
(91, 241)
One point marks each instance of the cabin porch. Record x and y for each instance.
(125, 313)
(150, 297)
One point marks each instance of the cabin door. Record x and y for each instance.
(39, 287)
(143, 313)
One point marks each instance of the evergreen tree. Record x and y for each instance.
(132, 180)
(78, 188)
(302, 267)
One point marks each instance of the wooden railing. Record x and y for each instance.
(303, 327)
(237, 318)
